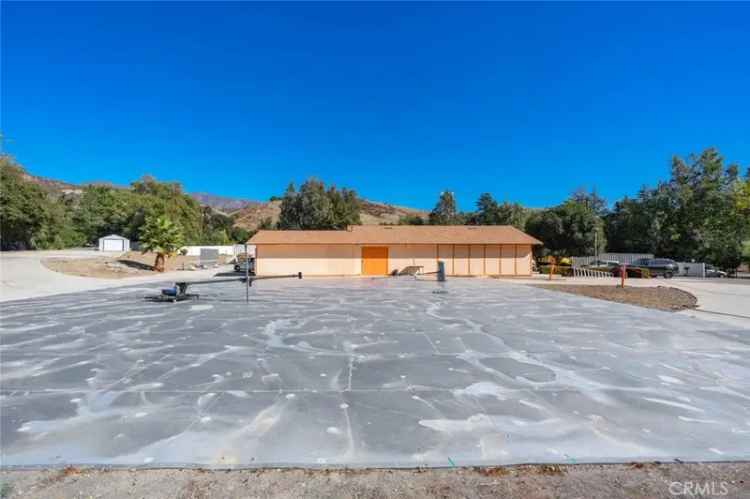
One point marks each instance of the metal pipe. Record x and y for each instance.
(247, 275)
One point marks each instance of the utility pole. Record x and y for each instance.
(247, 275)
(596, 244)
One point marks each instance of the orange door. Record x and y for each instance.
(374, 260)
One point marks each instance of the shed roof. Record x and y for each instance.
(113, 236)
(399, 234)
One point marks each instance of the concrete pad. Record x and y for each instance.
(366, 372)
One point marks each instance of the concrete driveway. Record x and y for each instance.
(726, 297)
(367, 372)
(22, 275)
(721, 300)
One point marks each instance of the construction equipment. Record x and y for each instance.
(413, 270)
(180, 290)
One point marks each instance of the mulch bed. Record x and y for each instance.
(659, 297)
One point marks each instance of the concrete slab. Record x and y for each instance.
(366, 372)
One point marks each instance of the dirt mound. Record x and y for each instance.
(659, 297)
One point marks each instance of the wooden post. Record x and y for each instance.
(551, 267)
(623, 273)
(484, 259)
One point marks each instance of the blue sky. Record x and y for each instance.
(399, 101)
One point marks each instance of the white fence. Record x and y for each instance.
(691, 269)
(223, 250)
(685, 269)
(584, 272)
(240, 249)
(627, 258)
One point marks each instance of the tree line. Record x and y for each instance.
(37, 218)
(314, 207)
(701, 212)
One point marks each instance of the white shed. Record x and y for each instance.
(113, 242)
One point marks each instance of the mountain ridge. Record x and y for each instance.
(247, 213)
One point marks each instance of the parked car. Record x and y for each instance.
(605, 265)
(639, 272)
(712, 271)
(664, 267)
(241, 265)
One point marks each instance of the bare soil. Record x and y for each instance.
(371, 213)
(659, 297)
(130, 264)
(614, 481)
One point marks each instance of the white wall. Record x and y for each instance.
(691, 269)
(223, 250)
(125, 244)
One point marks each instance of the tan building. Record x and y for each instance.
(384, 249)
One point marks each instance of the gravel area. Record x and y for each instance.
(635, 480)
(659, 297)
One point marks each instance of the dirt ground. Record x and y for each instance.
(659, 297)
(635, 480)
(130, 264)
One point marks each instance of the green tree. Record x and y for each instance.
(569, 229)
(22, 207)
(314, 207)
(697, 214)
(490, 212)
(266, 224)
(590, 200)
(101, 211)
(161, 236)
(630, 226)
(487, 210)
(30, 218)
(345, 206)
(412, 219)
(512, 214)
(240, 235)
(547, 226)
(151, 198)
(218, 228)
(444, 212)
(289, 217)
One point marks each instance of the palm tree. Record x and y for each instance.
(162, 236)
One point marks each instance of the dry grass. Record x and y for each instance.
(616, 481)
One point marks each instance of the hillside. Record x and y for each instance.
(53, 186)
(247, 214)
(372, 213)
(221, 203)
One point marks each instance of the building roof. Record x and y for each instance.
(113, 236)
(399, 234)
